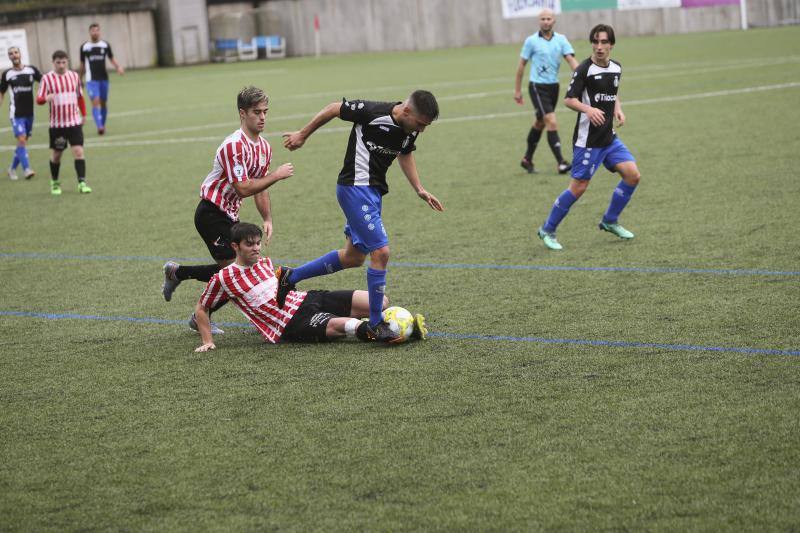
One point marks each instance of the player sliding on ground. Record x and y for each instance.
(251, 283)
(382, 131)
(593, 94)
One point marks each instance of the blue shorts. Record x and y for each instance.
(22, 126)
(97, 89)
(362, 209)
(585, 161)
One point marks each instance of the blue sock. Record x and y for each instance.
(21, 156)
(97, 113)
(376, 285)
(104, 114)
(327, 264)
(15, 161)
(560, 209)
(619, 199)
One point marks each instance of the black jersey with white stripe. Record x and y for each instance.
(93, 57)
(19, 84)
(595, 86)
(375, 141)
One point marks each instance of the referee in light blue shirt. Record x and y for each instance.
(544, 49)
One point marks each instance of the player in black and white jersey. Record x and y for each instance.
(94, 53)
(593, 94)
(382, 131)
(18, 82)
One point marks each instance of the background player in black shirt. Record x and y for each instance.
(94, 53)
(593, 94)
(18, 82)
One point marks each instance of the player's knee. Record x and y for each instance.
(550, 121)
(352, 260)
(539, 124)
(632, 176)
(380, 257)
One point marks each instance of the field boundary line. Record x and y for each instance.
(441, 335)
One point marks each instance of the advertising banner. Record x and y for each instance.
(707, 3)
(513, 9)
(647, 4)
(587, 5)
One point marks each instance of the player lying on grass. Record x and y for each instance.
(251, 283)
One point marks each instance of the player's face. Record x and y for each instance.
(255, 118)
(14, 56)
(601, 46)
(546, 21)
(412, 121)
(60, 65)
(94, 33)
(248, 251)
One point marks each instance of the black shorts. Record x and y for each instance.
(311, 319)
(214, 227)
(544, 97)
(59, 137)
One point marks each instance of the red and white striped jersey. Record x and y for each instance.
(254, 291)
(66, 88)
(237, 159)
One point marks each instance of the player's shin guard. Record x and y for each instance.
(555, 145)
(376, 285)
(619, 199)
(559, 211)
(80, 169)
(199, 272)
(54, 169)
(327, 264)
(21, 156)
(533, 139)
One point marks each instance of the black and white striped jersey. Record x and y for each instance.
(20, 83)
(595, 86)
(375, 141)
(93, 57)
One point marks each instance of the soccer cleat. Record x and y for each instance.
(564, 167)
(549, 239)
(215, 329)
(83, 188)
(29, 173)
(283, 273)
(616, 229)
(527, 165)
(12, 174)
(383, 333)
(55, 188)
(170, 281)
(420, 331)
(101, 131)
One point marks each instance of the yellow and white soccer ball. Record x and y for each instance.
(400, 321)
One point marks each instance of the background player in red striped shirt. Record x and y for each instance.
(240, 170)
(252, 284)
(61, 87)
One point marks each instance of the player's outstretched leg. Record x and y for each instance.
(321, 266)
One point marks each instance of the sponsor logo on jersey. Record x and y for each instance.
(372, 147)
(602, 97)
(384, 128)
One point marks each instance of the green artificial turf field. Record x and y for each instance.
(642, 385)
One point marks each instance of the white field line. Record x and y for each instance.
(465, 118)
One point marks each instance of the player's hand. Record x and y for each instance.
(267, 231)
(120, 71)
(596, 116)
(205, 347)
(431, 200)
(293, 140)
(620, 116)
(518, 97)
(284, 171)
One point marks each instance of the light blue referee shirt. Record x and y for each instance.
(545, 56)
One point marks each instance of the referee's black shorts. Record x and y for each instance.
(59, 137)
(214, 227)
(544, 97)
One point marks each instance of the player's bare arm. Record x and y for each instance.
(571, 61)
(264, 207)
(204, 328)
(250, 187)
(117, 66)
(296, 139)
(518, 81)
(618, 114)
(596, 116)
(409, 167)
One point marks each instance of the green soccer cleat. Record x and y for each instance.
(55, 188)
(616, 229)
(420, 331)
(549, 239)
(83, 188)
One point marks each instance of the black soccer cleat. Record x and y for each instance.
(283, 274)
(527, 165)
(564, 167)
(383, 333)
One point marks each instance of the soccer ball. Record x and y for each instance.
(400, 321)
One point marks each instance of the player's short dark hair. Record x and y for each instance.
(60, 54)
(425, 104)
(94, 25)
(603, 28)
(249, 97)
(244, 231)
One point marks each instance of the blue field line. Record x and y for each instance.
(452, 266)
(456, 336)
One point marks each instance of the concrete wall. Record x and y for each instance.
(182, 32)
(352, 26)
(132, 37)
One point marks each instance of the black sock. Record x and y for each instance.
(80, 169)
(555, 145)
(200, 272)
(218, 306)
(54, 168)
(533, 139)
